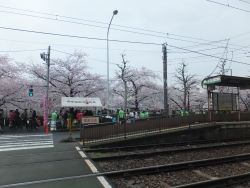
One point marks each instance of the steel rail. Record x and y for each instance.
(149, 154)
(146, 170)
(173, 144)
(176, 166)
(227, 181)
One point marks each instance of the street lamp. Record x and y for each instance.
(114, 13)
(46, 57)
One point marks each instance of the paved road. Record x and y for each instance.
(36, 159)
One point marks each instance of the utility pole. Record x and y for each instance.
(47, 91)
(46, 58)
(165, 79)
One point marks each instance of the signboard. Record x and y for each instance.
(224, 102)
(80, 102)
(214, 80)
(90, 120)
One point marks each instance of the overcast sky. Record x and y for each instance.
(196, 26)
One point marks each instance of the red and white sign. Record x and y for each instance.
(90, 120)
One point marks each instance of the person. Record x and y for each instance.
(38, 122)
(12, 119)
(1, 120)
(53, 120)
(54, 116)
(79, 116)
(30, 122)
(24, 117)
(136, 114)
(132, 116)
(17, 120)
(91, 113)
(99, 113)
(64, 118)
(34, 120)
(70, 116)
(121, 115)
(86, 112)
(146, 114)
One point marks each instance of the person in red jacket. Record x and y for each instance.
(12, 119)
(79, 116)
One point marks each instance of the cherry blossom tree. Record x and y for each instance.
(135, 86)
(185, 83)
(69, 77)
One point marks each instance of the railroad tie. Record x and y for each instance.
(205, 175)
(246, 164)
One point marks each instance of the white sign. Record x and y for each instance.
(80, 102)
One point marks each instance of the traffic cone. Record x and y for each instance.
(46, 129)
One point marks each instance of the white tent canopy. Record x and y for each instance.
(80, 102)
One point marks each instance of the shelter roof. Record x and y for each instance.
(225, 80)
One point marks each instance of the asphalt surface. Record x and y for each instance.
(39, 159)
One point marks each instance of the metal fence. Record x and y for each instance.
(111, 131)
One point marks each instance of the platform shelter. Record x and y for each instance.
(225, 101)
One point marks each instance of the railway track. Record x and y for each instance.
(161, 145)
(214, 163)
(199, 173)
(140, 155)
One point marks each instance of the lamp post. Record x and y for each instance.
(114, 13)
(46, 57)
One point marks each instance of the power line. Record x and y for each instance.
(244, 1)
(111, 63)
(54, 44)
(209, 55)
(56, 15)
(60, 20)
(228, 6)
(74, 36)
(64, 35)
(57, 19)
(21, 50)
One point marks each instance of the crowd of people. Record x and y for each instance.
(18, 120)
(74, 114)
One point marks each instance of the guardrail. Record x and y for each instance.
(111, 131)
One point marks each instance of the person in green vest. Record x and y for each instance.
(53, 121)
(53, 116)
(181, 112)
(146, 114)
(142, 115)
(121, 115)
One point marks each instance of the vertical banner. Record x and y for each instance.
(44, 111)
